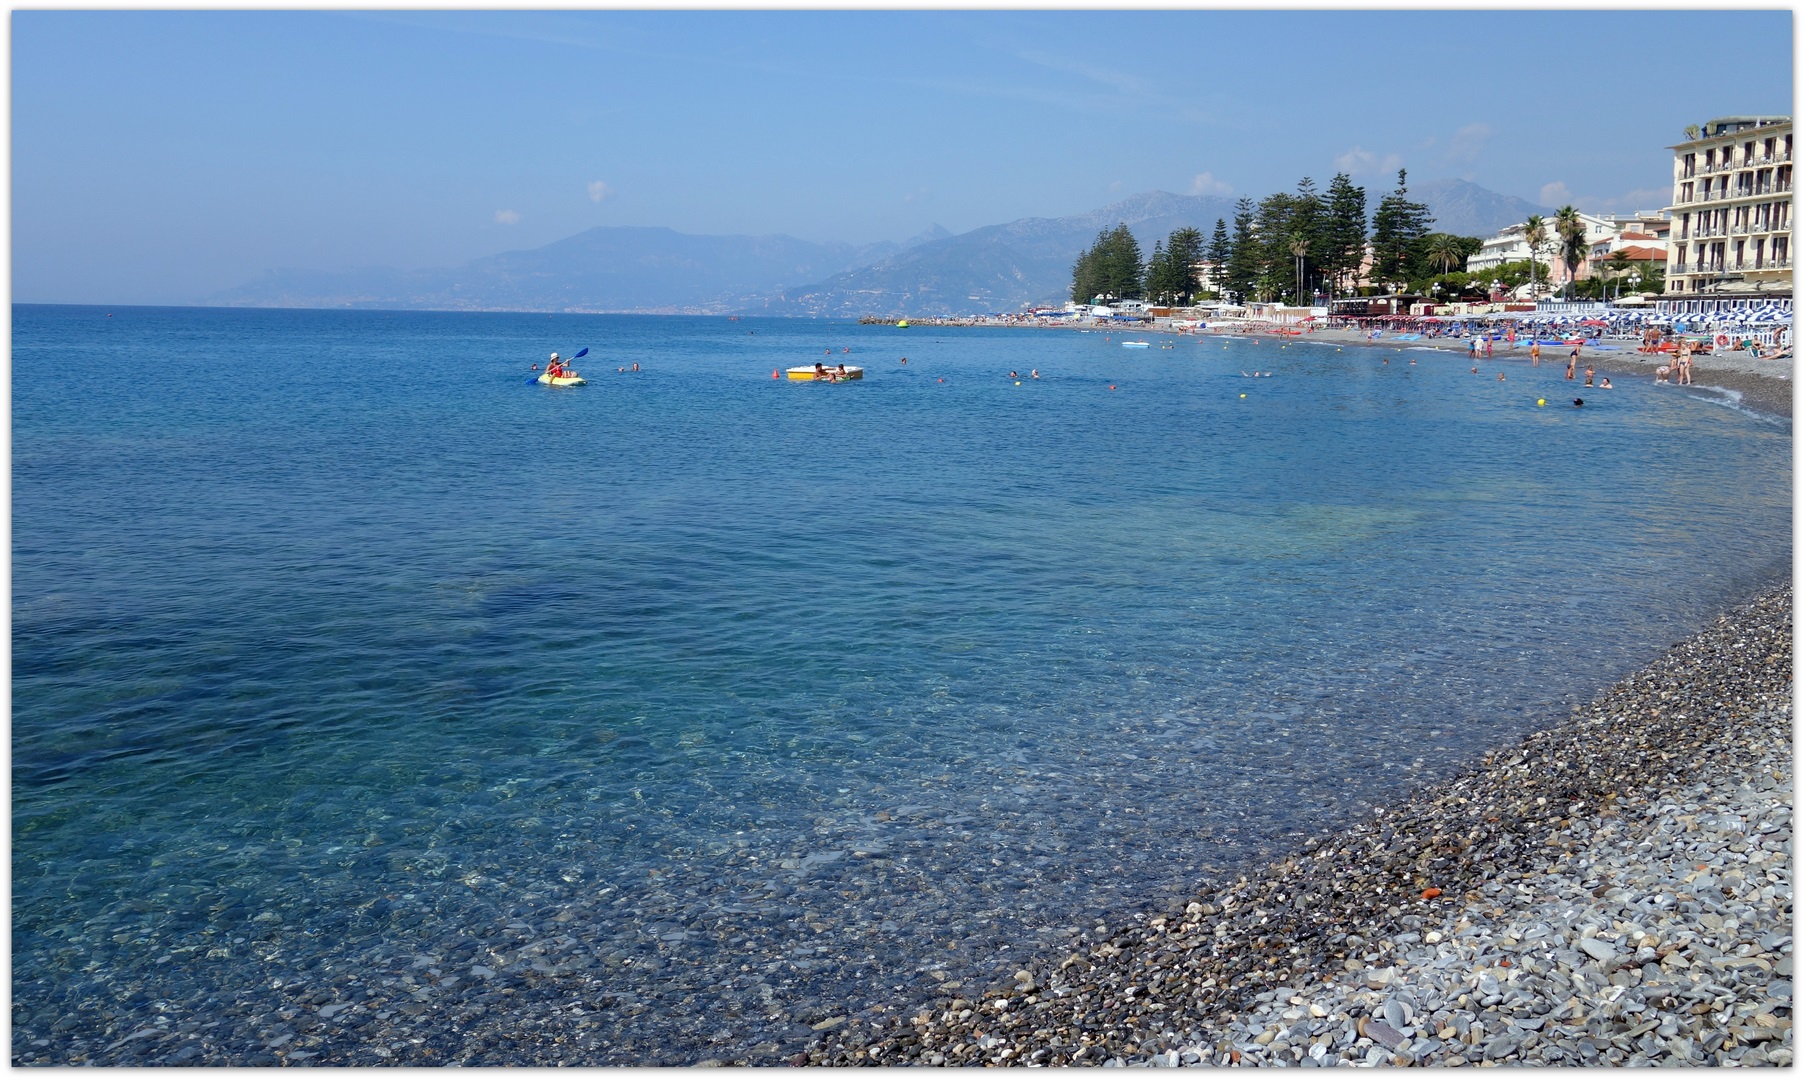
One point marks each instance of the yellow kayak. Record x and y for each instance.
(832, 374)
(562, 380)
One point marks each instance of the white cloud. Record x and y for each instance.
(507, 217)
(1468, 142)
(599, 191)
(1206, 184)
(1359, 160)
(1556, 194)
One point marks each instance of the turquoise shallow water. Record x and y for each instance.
(337, 645)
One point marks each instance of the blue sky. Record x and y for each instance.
(159, 157)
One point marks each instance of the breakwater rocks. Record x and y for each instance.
(1615, 890)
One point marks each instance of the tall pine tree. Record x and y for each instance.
(1399, 235)
(1243, 255)
(1121, 265)
(1218, 252)
(1346, 232)
(1273, 227)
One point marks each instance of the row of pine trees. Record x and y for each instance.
(1288, 246)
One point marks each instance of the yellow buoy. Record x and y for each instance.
(1017, 382)
(1540, 401)
(1243, 395)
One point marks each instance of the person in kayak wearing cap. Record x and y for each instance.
(554, 367)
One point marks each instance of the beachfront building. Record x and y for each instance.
(1731, 215)
(1210, 276)
(1511, 245)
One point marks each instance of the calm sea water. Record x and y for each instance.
(342, 655)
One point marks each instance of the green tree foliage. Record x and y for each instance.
(1308, 240)
(1345, 235)
(1399, 231)
(1534, 234)
(1086, 275)
(1243, 255)
(1111, 267)
(1219, 246)
(1570, 230)
(1273, 225)
(1171, 272)
(1445, 252)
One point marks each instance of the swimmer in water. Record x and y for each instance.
(1605, 385)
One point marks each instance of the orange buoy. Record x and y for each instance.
(774, 374)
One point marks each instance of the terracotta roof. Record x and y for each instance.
(1643, 253)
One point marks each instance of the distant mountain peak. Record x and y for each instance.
(933, 232)
(651, 268)
(1464, 208)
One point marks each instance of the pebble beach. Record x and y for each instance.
(1614, 890)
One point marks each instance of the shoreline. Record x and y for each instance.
(1613, 889)
(1763, 386)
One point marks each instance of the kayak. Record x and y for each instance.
(807, 374)
(1136, 345)
(562, 380)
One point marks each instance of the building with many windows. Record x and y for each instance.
(1731, 213)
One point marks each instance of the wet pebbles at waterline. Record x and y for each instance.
(1614, 891)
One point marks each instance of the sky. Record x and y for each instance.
(159, 157)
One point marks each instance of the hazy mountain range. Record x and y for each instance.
(658, 270)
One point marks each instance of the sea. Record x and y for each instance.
(373, 703)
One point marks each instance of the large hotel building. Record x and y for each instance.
(1731, 215)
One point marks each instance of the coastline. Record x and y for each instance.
(1614, 889)
(1762, 386)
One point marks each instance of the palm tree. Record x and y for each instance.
(1534, 234)
(1446, 250)
(1299, 247)
(1619, 268)
(1571, 231)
